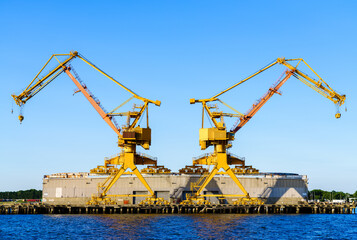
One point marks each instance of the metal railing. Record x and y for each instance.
(113, 156)
(202, 156)
(146, 156)
(236, 156)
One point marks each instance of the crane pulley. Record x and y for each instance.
(129, 136)
(221, 139)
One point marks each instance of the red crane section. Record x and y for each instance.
(89, 97)
(255, 108)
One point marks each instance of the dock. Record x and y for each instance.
(314, 208)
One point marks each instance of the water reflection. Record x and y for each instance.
(176, 226)
(228, 226)
(188, 226)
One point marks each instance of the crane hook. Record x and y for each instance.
(21, 118)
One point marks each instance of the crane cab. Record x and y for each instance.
(138, 136)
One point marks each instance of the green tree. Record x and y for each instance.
(355, 194)
(22, 194)
(318, 194)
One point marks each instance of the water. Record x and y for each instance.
(140, 226)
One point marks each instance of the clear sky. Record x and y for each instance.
(174, 51)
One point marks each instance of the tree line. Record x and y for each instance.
(22, 194)
(318, 194)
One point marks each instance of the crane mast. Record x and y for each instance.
(128, 137)
(221, 139)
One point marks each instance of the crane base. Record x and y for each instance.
(195, 201)
(249, 201)
(101, 201)
(154, 201)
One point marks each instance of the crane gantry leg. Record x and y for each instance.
(220, 160)
(127, 160)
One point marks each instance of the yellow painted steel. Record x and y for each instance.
(128, 137)
(157, 102)
(128, 195)
(239, 114)
(154, 201)
(319, 85)
(115, 109)
(34, 87)
(221, 139)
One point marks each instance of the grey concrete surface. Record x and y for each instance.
(276, 188)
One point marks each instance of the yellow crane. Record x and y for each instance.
(129, 136)
(221, 139)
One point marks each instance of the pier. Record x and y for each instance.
(315, 208)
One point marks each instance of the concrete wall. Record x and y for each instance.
(288, 189)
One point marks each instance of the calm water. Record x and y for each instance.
(228, 226)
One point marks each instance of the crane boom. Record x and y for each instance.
(37, 84)
(101, 112)
(244, 119)
(319, 85)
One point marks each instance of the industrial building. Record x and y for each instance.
(77, 188)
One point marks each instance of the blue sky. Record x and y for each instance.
(174, 51)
